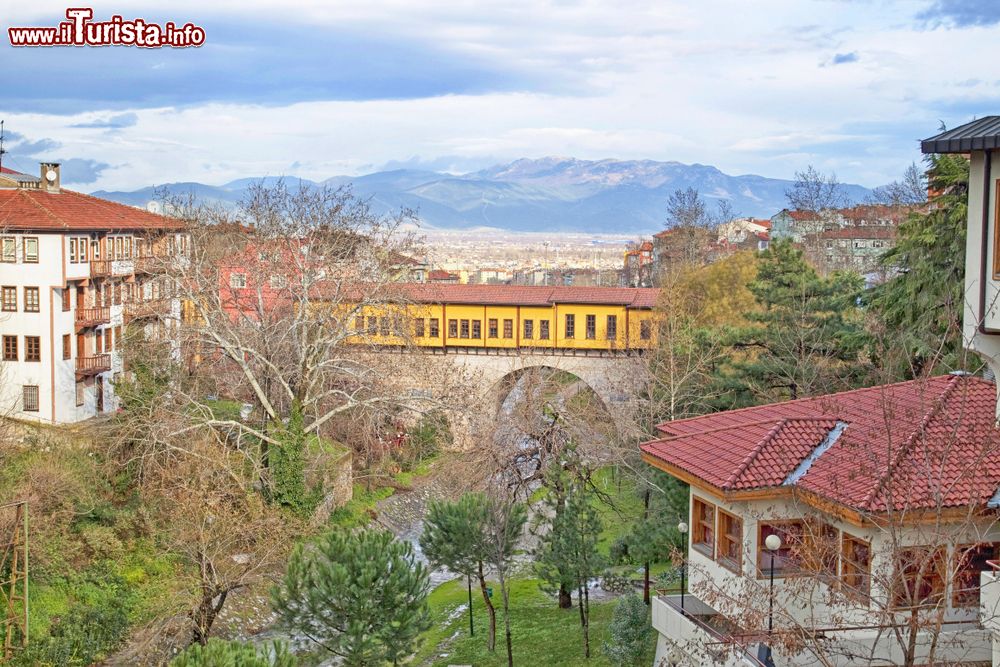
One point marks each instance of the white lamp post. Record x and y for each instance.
(772, 543)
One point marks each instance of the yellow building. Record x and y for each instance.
(513, 316)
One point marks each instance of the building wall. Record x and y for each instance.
(986, 344)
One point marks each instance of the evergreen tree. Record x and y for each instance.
(459, 536)
(362, 596)
(919, 309)
(805, 339)
(567, 552)
(654, 537)
(629, 632)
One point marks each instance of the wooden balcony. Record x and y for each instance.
(150, 309)
(101, 268)
(150, 263)
(92, 317)
(98, 363)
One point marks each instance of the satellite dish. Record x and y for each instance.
(51, 176)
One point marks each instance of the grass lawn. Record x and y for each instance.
(542, 633)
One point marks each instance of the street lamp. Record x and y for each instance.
(772, 543)
(682, 528)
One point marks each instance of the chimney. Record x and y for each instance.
(50, 176)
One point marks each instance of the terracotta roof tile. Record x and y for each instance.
(914, 444)
(525, 295)
(31, 209)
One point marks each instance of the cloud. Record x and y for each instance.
(449, 164)
(843, 58)
(81, 171)
(115, 122)
(961, 13)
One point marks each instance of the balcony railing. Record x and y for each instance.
(92, 317)
(100, 268)
(98, 363)
(151, 308)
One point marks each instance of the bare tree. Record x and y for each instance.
(815, 192)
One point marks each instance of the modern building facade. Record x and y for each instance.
(75, 270)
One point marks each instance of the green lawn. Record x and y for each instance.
(542, 633)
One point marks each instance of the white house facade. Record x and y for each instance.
(75, 271)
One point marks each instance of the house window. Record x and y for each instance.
(109, 344)
(434, 331)
(31, 249)
(612, 332)
(383, 326)
(786, 559)
(98, 343)
(703, 527)
(80, 393)
(570, 326)
(128, 246)
(452, 328)
(237, 280)
(645, 330)
(529, 329)
(493, 329)
(970, 561)
(9, 298)
(95, 249)
(278, 282)
(10, 348)
(372, 326)
(9, 251)
(919, 577)
(32, 348)
(418, 327)
(29, 398)
(359, 323)
(65, 300)
(477, 329)
(591, 327)
(82, 245)
(508, 328)
(72, 251)
(464, 329)
(820, 548)
(543, 329)
(855, 566)
(31, 300)
(730, 547)
(67, 346)
(118, 247)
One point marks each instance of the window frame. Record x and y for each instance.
(26, 258)
(645, 329)
(8, 242)
(477, 329)
(493, 328)
(847, 586)
(960, 597)
(434, 327)
(10, 348)
(418, 327)
(508, 328)
(611, 328)
(528, 330)
(937, 580)
(452, 328)
(705, 545)
(233, 281)
(591, 327)
(33, 349)
(724, 540)
(570, 331)
(788, 546)
(30, 289)
(463, 329)
(24, 398)
(67, 347)
(543, 329)
(8, 305)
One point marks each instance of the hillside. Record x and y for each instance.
(548, 194)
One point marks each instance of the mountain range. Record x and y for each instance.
(549, 194)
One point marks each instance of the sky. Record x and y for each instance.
(316, 89)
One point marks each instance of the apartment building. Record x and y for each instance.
(75, 270)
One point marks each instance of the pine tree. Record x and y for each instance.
(459, 536)
(919, 309)
(361, 596)
(567, 553)
(805, 339)
(655, 537)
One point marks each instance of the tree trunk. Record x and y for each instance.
(491, 633)
(506, 616)
(565, 599)
(645, 578)
(204, 616)
(586, 621)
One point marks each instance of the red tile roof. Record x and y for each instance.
(859, 232)
(524, 295)
(910, 445)
(39, 210)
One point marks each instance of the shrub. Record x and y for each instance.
(629, 631)
(82, 637)
(218, 653)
